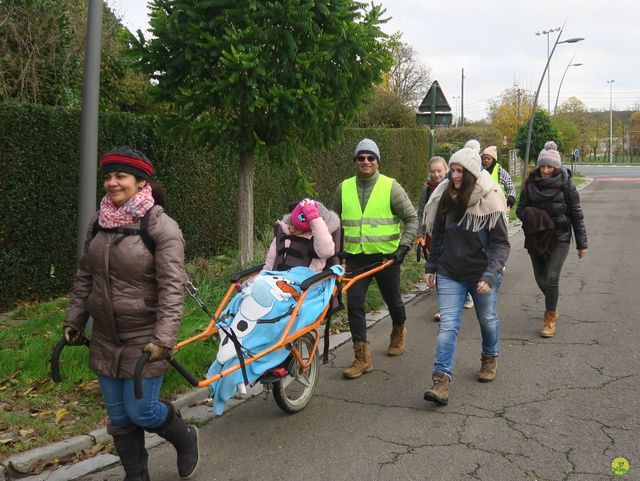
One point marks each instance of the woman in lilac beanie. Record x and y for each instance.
(550, 209)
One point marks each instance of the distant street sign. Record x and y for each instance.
(441, 101)
(576, 153)
(424, 118)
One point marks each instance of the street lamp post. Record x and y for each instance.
(89, 122)
(535, 98)
(547, 32)
(610, 82)
(562, 80)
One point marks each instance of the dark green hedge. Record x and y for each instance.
(39, 151)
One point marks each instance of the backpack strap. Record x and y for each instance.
(142, 231)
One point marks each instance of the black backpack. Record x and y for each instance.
(142, 231)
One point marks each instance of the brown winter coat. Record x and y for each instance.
(133, 296)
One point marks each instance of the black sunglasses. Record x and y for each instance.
(362, 158)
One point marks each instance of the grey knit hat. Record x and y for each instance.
(368, 146)
(469, 159)
(550, 155)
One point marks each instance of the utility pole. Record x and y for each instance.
(462, 100)
(610, 82)
(517, 113)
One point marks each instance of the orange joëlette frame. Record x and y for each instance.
(286, 338)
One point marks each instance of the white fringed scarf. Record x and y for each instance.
(486, 205)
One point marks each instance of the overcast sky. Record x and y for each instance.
(495, 42)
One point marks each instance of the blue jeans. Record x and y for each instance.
(451, 296)
(124, 409)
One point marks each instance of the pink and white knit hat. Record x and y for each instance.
(550, 155)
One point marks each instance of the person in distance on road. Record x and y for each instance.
(549, 197)
(499, 175)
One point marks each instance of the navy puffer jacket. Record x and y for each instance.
(559, 197)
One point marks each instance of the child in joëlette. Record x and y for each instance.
(307, 230)
(438, 170)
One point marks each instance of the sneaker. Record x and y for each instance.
(468, 304)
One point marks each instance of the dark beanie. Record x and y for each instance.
(124, 159)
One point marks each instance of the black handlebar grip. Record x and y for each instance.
(55, 360)
(315, 278)
(137, 374)
(55, 357)
(246, 273)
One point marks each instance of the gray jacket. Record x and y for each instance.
(134, 296)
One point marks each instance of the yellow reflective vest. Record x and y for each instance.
(377, 229)
(495, 175)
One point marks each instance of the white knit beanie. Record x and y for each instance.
(473, 144)
(368, 146)
(550, 155)
(469, 159)
(491, 151)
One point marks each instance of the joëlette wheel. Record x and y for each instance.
(293, 392)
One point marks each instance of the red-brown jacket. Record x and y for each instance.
(134, 296)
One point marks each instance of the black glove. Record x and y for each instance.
(72, 336)
(400, 254)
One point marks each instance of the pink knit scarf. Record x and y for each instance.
(112, 217)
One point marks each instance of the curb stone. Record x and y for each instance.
(193, 406)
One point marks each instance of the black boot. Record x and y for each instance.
(184, 438)
(129, 443)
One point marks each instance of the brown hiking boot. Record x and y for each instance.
(362, 363)
(488, 368)
(439, 393)
(549, 329)
(398, 340)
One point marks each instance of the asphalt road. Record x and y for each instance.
(560, 409)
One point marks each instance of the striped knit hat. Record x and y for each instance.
(125, 159)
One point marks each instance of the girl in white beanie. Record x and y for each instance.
(466, 216)
(548, 194)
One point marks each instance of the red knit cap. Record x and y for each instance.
(126, 160)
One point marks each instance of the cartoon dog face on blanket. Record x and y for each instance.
(258, 305)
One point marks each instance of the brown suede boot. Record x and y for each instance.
(488, 368)
(549, 329)
(439, 393)
(362, 363)
(398, 340)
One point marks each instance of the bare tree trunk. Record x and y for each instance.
(245, 210)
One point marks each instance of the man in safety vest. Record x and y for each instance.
(499, 175)
(371, 207)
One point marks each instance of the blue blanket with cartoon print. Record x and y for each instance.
(258, 316)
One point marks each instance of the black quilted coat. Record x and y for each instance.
(559, 197)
